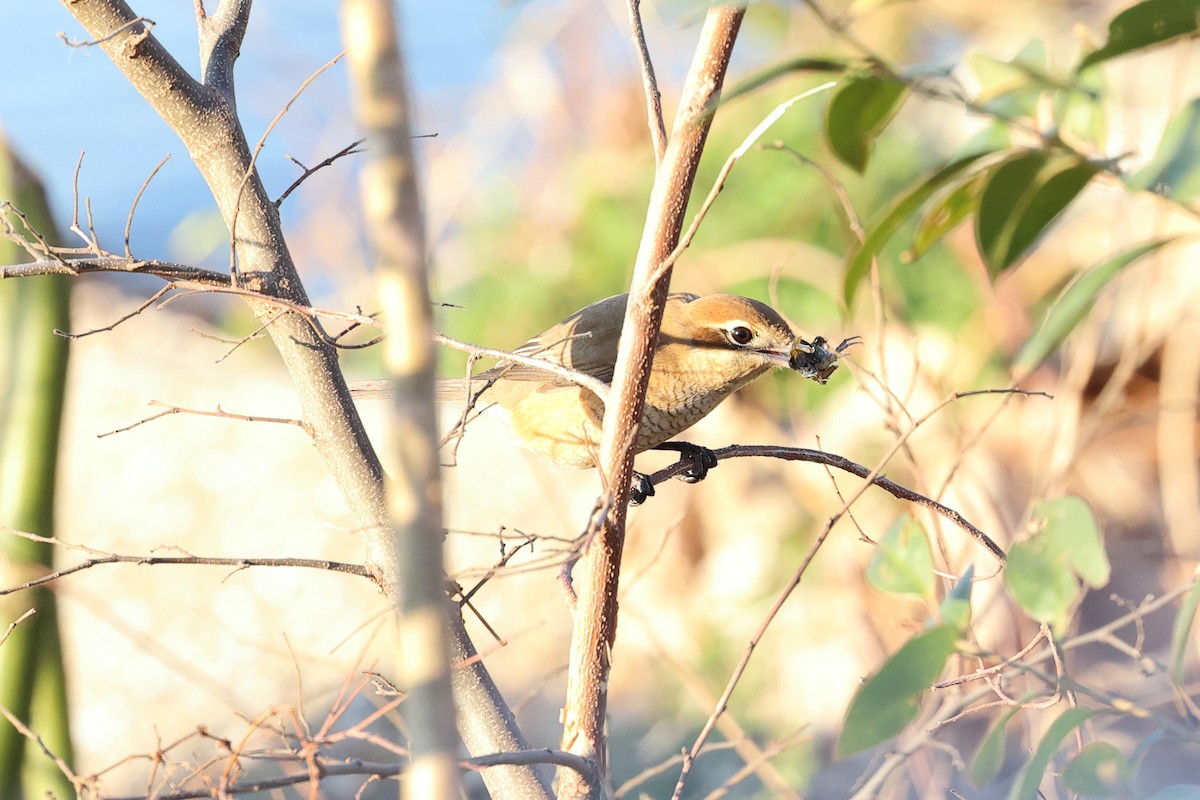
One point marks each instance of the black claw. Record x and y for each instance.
(641, 489)
(702, 459)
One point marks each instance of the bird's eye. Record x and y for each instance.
(741, 334)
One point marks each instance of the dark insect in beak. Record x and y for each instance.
(815, 360)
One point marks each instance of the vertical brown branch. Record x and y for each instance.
(396, 228)
(599, 569)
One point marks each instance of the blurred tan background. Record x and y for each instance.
(534, 197)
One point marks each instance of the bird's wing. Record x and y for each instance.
(586, 342)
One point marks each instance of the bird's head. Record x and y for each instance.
(731, 340)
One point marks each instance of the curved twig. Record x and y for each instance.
(846, 465)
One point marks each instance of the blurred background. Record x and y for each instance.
(536, 174)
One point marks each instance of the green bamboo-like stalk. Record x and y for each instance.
(33, 369)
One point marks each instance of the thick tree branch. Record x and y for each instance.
(221, 38)
(596, 612)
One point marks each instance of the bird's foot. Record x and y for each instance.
(702, 459)
(641, 489)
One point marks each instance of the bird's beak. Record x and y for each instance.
(814, 359)
(778, 358)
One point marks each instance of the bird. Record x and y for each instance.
(708, 347)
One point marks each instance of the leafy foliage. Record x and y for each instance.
(1146, 24)
(858, 112)
(1044, 570)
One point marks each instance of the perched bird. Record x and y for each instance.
(708, 347)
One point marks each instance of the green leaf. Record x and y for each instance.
(1098, 771)
(1012, 88)
(955, 608)
(1175, 170)
(1072, 531)
(1074, 304)
(1144, 25)
(890, 699)
(858, 112)
(858, 262)
(1031, 776)
(1040, 583)
(902, 562)
(1182, 630)
(989, 757)
(1080, 110)
(1023, 195)
(945, 215)
(1043, 571)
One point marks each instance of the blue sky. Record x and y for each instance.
(73, 99)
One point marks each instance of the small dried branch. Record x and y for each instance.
(980, 674)
(846, 465)
(12, 626)
(235, 344)
(325, 769)
(237, 563)
(149, 23)
(183, 277)
(735, 677)
(154, 298)
(89, 240)
(499, 565)
(658, 769)
(585, 768)
(719, 184)
(594, 385)
(169, 410)
(654, 112)
(41, 251)
(348, 150)
(29, 734)
(262, 141)
(137, 198)
(51, 262)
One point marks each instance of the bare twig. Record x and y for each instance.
(137, 198)
(93, 42)
(12, 626)
(154, 298)
(250, 168)
(42, 251)
(719, 184)
(980, 674)
(237, 563)
(348, 150)
(89, 241)
(499, 565)
(29, 734)
(658, 769)
(654, 112)
(690, 756)
(169, 410)
(235, 344)
(872, 477)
